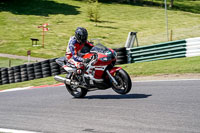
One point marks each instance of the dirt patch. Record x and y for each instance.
(166, 77)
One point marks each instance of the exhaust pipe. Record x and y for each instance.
(67, 81)
(64, 80)
(60, 79)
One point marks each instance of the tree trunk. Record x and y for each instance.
(171, 4)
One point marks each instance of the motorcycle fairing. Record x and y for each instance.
(114, 70)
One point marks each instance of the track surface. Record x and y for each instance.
(151, 107)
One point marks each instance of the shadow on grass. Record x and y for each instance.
(37, 7)
(108, 27)
(182, 5)
(128, 96)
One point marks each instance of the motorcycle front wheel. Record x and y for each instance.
(75, 91)
(124, 82)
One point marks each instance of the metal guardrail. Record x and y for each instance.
(173, 49)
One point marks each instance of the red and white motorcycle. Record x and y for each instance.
(98, 74)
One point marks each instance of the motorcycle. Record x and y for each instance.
(98, 74)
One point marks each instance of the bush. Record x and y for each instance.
(93, 10)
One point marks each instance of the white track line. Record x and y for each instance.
(4, 130)
(30, 87)
(16, 89)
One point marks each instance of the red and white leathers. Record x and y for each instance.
(74, 48)
(73, 55)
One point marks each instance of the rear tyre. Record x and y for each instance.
(75, 91)
(124, 82)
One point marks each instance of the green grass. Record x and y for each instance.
(36, 82)
(5, 62)
(172, 66)
(18, 25)
(182, 5)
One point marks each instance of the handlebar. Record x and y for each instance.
(93, 58)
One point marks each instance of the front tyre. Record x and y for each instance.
(75, 91)
(124, 82)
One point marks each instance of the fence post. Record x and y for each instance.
(128, 55)
(171, 35)
(132, 36)
(9, 62)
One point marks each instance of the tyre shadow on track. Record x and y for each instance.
(128, 96)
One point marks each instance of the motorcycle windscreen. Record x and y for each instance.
(100, 49)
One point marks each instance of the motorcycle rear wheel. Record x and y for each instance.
(76, 92)
(124, 82)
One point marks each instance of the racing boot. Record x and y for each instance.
(69, 74)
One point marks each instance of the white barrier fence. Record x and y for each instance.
(193, 47)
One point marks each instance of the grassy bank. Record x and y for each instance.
(182, 5)
(36, 82)
(18, 25)
(172, 66)
(8, 62)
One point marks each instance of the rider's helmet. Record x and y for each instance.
(81, 34)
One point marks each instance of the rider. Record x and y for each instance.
(76, 43)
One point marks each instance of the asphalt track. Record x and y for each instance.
(150, 107)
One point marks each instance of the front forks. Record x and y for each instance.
(111, 77)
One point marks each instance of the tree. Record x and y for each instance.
(93, 10)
